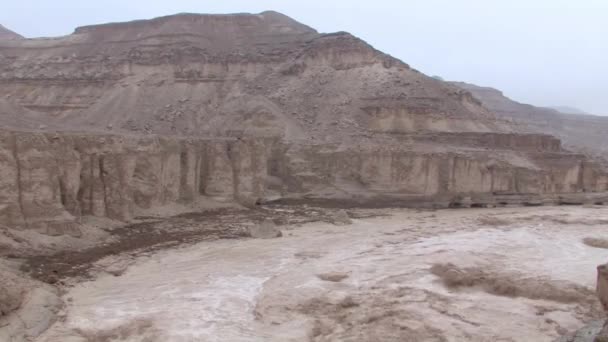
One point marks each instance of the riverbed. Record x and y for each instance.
(527, 276)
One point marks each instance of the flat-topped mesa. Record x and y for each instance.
(248, 107)
(225, 75)
(52, 179)
(230, 28)
(494, 141)
(6, 34)
(582, 133)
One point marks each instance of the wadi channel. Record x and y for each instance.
(244, 177)
(506, 274)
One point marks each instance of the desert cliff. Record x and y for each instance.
(252, 108)
(120, 120)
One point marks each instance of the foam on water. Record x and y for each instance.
(209, 292)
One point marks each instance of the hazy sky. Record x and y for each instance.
(544, 52)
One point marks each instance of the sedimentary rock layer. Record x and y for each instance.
(224, 75)
(49, 180)
(580, 132)
(252, 108)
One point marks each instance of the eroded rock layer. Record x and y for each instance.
(250, 108)
(580, 132)
(157, 117)
(224, 75)
(49, 180)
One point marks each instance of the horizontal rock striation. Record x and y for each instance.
(124, 119)
(493, 141)
(442, 179)
(251, 108)
(219, 75)
(580, 132)
(50, 180)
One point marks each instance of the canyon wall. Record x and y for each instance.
(50, 180)
(250, 108)
(579, 132)
(247, 108)
(384, 176)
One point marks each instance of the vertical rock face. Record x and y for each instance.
(420, 176)
(596, 331)
(250, 107)
(224, 75)
(580, 132)
(602, 285)
(50, 180)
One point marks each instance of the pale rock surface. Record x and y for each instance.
(340, 218)
(247, 108)
(242, 109)
(115, 265)
(265, 230)
(27, 307)
(580, 132)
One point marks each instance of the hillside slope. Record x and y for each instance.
(579, 132)
(218, 75)
(123, 117)
(6, 34)
(569, 110)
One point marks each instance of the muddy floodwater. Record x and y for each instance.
(509, 274)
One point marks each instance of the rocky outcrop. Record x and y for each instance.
(27, 307)
(444, 177)
(224, 75)
(265, 230)
(251, 108)
(596, 331)
(6, 34)
(125, 118)
(580, 132)
(602, 293)
(602, 285)
(50, 180)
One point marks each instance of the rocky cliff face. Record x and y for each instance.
(6, 34)
(250, 108)
(50, 180)
(224, 75)
(580, 132)
(119, 120)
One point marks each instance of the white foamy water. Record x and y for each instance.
(209, 292)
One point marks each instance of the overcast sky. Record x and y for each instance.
(543, 52)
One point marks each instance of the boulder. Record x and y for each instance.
(27, 307)
(335, 277)
(265, 230)
(11, 293)
(602, 285)
(596, 331)
(340, 218)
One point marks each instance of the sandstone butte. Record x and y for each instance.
(253, 108)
